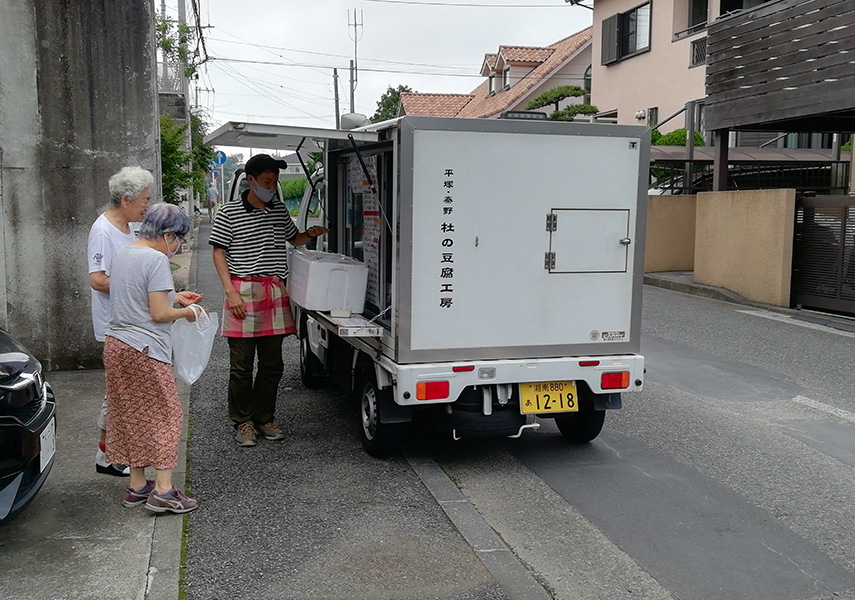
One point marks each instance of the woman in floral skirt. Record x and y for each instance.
(144, 411)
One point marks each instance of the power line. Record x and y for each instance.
(377, 60)
(393, 71)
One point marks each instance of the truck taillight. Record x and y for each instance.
(463, 368)
(431, 390)
(615, 381)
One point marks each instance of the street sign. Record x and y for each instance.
(220, 157)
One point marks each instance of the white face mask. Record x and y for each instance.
(262, 193)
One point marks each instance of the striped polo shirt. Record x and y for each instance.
(254, 239)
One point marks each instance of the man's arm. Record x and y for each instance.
(233, 299)
(99, 281)
(303, 238)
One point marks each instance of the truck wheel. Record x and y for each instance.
(583, 426)
(310, 365)
(378, 439)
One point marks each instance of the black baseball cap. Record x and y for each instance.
(260, 163)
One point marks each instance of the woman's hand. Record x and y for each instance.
(236, 304)
(187, 298)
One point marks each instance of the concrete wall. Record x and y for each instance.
(670, 242)
(78, 100)
(744, 243)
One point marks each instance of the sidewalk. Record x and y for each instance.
(75, 540)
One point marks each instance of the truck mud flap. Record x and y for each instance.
(389, 412)
(607, 401)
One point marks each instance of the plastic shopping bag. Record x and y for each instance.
(192, 343)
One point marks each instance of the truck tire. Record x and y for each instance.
(583, 426)
(311, 368)
(379, 439)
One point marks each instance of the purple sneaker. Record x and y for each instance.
(133, 497)
(172, 501)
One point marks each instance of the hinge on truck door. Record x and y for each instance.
(551, 222)
(549, 261)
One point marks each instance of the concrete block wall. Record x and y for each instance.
(744, 243)
(78, 101)
(670, 241)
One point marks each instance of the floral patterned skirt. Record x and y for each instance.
(144, 415)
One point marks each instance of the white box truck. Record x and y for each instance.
(504, 271)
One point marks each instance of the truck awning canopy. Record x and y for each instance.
(281, 137)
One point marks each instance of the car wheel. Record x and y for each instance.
(583, 426)
(378, 439)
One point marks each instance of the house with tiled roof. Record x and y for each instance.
(513, 77)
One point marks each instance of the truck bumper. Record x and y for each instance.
(459, 376)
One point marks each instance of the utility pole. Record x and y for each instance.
(357, 35)
(185, 91)
(337, 109)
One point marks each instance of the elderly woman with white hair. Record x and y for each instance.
(144, 415)
(130, 194)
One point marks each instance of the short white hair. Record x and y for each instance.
(130, 182)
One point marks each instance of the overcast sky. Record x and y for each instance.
(430, 45)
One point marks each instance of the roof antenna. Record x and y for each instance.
(578, 3)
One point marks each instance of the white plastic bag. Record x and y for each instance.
(192, 343)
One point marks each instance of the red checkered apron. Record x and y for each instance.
(268, 308)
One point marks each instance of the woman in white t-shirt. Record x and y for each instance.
(130, 194)
(144, 414)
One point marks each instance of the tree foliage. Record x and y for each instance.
(555, 96)
(674, 138)
(569, 113)
(173, 159)
(293, 188)
(174, 42)
(202, 155)
(387, 106)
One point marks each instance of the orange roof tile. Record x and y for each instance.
(433, 105)
(483, 104)
(480, 103)
(524, 54)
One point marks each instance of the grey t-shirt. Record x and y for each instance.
(137, 271)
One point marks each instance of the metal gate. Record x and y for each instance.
(824, 253)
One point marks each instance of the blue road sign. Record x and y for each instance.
(220, 157)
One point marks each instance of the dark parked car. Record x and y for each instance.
(27, 427)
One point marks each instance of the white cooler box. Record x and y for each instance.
(325, 281)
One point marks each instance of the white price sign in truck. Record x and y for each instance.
(479, 274)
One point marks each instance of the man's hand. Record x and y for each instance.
(236, 304)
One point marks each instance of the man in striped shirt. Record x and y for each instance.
(249, 237)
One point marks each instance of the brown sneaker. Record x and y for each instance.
(245, 435)
(270, 431)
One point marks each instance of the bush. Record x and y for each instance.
(293, 188)
(674, 138)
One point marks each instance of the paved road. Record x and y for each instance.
(730, 476)
(311, 517)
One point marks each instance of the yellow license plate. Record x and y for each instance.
(548, 397)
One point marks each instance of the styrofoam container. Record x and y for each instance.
(325, 281)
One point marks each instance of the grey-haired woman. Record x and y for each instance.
(144, 415)
(130, 193)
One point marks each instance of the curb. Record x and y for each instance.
(515, 580)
